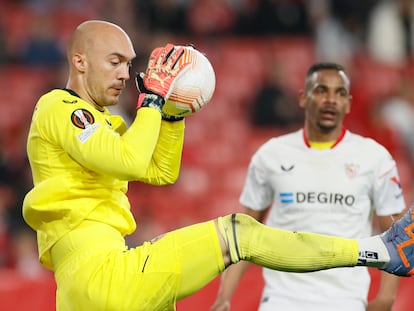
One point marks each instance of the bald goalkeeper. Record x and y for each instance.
(82, 159)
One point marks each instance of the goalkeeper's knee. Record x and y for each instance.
(235, 230)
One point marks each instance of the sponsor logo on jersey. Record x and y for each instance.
(82, 118)
(287, 169)
(70, 101)
(287, 197)
(316, 197)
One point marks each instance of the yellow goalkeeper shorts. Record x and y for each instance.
(94, 270)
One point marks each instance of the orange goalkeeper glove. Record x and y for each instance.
(165, 65)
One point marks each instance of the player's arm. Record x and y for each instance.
(150, 150)
(99, 148)
(232, 276)
(388, 199)
(166, 158)
(389, 283)
(165, 162)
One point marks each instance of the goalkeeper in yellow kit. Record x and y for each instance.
(82, 158)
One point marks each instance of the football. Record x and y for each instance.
(194, 88)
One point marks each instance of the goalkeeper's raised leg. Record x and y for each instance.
(246, 239)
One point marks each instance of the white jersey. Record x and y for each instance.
(333, 191)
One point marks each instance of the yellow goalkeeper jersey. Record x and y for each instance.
(82, 159)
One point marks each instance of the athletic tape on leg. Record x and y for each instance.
(227, 227)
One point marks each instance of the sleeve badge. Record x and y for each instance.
(82, 118)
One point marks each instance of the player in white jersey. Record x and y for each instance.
(322, 179)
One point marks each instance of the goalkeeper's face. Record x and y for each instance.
(104, 64)
(109, 69)
(327, 99)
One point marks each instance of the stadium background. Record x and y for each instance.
(245, 40)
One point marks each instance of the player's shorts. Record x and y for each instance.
(94, 270)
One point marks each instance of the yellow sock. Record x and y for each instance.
(283, 250)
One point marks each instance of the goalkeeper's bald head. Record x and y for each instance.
(91, 34)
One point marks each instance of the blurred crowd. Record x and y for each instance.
(31, 30)
(374, 39)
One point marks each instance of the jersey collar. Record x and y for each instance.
(340, 138)
(71, 92)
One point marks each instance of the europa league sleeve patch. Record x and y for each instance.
(82, 118)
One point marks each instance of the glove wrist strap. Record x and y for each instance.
(151, 101)
(171, 118)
